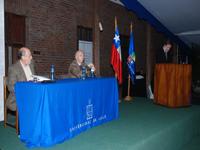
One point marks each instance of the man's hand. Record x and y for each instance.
(91, 66)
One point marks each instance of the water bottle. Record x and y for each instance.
(92, 75)
(83, 76)
(52, 70)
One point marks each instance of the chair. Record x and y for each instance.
(7, 111)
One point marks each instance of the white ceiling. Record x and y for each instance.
(181, 17)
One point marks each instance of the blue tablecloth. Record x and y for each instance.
(50, 113)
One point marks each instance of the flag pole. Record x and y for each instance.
(128, 97)
(115, 29)
(115, 22)
(116, 75)
(118, 89)
(119, 101)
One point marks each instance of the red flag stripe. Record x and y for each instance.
(116, 63)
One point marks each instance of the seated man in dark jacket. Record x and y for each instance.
(75, 68)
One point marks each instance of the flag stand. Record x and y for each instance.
(128, 97)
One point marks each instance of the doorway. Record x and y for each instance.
(14, 37)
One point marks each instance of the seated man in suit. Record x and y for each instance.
(22, 70)
(75, 68)
(165, 55)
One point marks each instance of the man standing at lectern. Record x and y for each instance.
(165, 55)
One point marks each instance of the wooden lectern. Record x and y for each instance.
(172, 84)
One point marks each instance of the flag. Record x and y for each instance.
(116, 58)
(131, 57)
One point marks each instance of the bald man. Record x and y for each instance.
(75, 68)
(22, 70)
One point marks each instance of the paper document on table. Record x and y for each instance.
(139, 77)
(40, 78)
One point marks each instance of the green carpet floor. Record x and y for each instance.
(142, 125)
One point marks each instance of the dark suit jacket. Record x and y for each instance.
(75, 70)
(161, 58)
(15, 73)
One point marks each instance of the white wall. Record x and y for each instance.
(2, 56)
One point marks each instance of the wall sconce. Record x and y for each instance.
(100, 27)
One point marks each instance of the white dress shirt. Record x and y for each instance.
(27, 71)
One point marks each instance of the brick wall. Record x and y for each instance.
(51, 31)
(124, 18)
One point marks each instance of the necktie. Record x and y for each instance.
(166, 55)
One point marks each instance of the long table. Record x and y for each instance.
(51, 113)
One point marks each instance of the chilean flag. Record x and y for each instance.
(116, 57)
